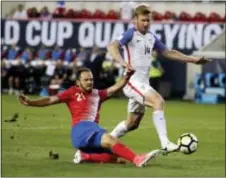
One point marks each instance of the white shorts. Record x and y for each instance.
(135, 91)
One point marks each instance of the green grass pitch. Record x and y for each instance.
(39, 130)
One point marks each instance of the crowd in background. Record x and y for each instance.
(47, 71)
(125, 13)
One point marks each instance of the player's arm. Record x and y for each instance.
(62, 97)
(40, 102)
(176, 55)
(120, 84)
(114, 48)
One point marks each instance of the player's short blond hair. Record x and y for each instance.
(142, 9)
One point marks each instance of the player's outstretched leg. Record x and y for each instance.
(91, 138)
(154, 100)
(80, 157)
(120, 150)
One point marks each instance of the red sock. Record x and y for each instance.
(123, 152)
(100, 158)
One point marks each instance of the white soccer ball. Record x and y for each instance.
(188, 143)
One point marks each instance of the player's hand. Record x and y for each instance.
(128, 66)
(24, 100)
(129, 73)
(202, 60)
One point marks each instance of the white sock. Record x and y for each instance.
(120, 130)
(160, 126)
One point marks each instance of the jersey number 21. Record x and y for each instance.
(80, 96)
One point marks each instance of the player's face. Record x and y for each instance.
(85, 81)
(143, 23)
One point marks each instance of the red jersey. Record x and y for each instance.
(83, 106)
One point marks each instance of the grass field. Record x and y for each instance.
(39, 130)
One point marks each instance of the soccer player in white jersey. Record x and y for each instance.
(138, 43)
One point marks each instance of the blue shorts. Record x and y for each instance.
(86, 136)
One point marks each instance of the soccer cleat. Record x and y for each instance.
(78, 157)
(169, 148)
(143, 159)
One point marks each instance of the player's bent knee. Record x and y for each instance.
(134, 121)
(155, 101)
(132, 125)
(107, 141)
(159, 104)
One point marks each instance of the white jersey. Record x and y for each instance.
(138, 51)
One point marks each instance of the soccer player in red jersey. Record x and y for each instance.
(87, 136)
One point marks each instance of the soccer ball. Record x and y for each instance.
(188, 143)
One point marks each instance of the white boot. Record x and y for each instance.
(169, 148)
(77, 157)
